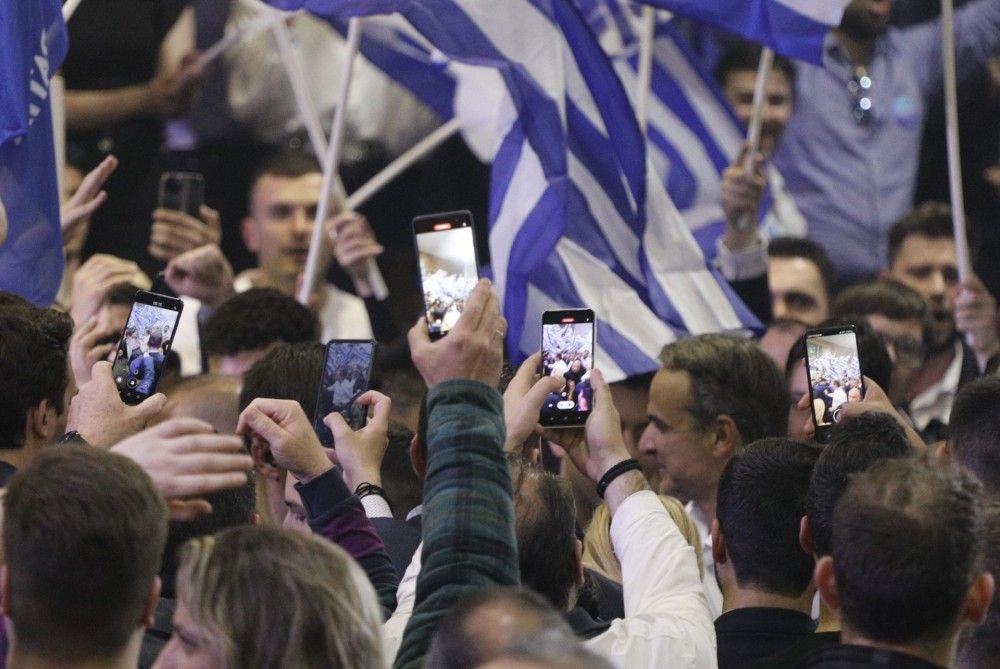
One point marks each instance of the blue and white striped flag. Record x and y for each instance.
(794, 28)
(576, 216)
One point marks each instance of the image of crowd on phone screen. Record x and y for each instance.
(567, 356)
(142, 349)
(835, 372)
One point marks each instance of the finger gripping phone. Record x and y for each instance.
(143, 346)
(833, 368)
(182, 191)
(449, 267)
(346, 377)
(568, 339)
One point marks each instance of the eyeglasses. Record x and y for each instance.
(860, 89)
(907, 350)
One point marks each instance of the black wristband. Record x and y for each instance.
(72, 437)
(624, 466)
(365, 489)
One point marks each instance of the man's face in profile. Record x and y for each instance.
(929, 265)
(798, 291)
(777, 110)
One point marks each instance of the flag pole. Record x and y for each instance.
(300, 88)
(756, 120)
(233, 37)
(331, 179)
(951, 131)
(645, 73)
(69, 9)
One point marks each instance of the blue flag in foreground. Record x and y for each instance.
(32, 47)
(794, 28)
(576, 216)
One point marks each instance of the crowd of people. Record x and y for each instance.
(694, 520)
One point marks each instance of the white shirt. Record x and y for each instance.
(936, 401)
(667, 622)
(711, 587)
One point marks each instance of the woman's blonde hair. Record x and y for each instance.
(599, 553)
(271, 598)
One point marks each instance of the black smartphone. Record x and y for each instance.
(182, 191)
(449, 266)
(346, 376)
(149, 333)
(568, 353)
(833, 367)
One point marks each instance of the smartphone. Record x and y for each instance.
(833, 368)
(449, 267)
(149, 333)
(568, 353)
(182, 191)
(346, 376)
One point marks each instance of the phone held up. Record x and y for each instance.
(449, 267)
(182, 191)
(833, 369)
(149, 333)
(346, 377)
(568, 354)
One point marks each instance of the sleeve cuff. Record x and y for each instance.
(323, 493)
(741, 265)
(376, 506)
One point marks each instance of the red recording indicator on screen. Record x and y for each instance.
(568, 319)
(442, 226)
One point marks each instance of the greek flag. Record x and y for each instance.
(794, 28)
(577, 217)
(32, 46)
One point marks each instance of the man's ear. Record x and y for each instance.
(726, 436)
(826, 582)
(806, 536)
(978, 599)
(41, 421)
(248, 230)
(263, 461)
(417, 460)
(578, 576)
(718, 543)
(149, 612)
(942, 453)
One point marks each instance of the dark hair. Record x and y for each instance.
(855, 445)
(875, 361)
(983, 647)
(930, 219)
(907, 544)
(33, 366)
(256, 318)
(456, 646)
(889, 298)
(760, 504)
(287, 164)
(799, 247)
(9, 299)
(398, 478)
(742, 55)
(121, 294)
(974, 430)
(731, 376)
(545, 522)
(289, 372)
(83, 534)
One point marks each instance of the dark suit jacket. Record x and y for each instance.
(861, 657)
(747, 635)
(401, 540)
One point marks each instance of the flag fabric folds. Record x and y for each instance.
(33, 44)
(577, 217)
(794, 28)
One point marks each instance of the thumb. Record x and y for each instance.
(150, 406)
(544, 387)
(338, 426)
(263, 425)
(602, 393)
(381, 408)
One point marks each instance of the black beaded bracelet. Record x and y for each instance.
(365, 489)
(624, 466)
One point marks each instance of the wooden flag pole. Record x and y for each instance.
(756, 121)
(951, 132)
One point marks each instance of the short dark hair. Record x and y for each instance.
(731, 376)
(889, 298)
(256, 318)
(289, 372)
(742, 55)
(929, 219)
(287, 164)
(545, 522)
(855, 445)
(907, 544)
(398, 478)
(800, 247)
(983, 647)
(875, 361)
(454, 646)
(760, 504)
(33, 366)
(83, 534)
(121, 294)
(974, 430)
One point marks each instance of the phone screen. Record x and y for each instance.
(182, 191)
(148, 335)
(835, 377)
(346, 376)
(446, 250)
(568, 354)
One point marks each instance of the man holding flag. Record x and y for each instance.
(32, 46)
